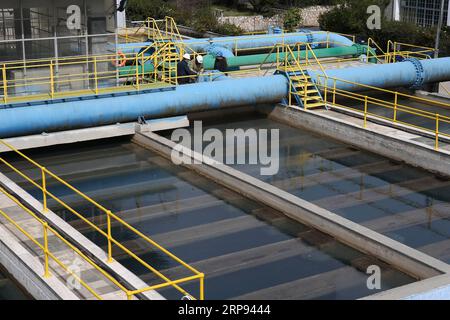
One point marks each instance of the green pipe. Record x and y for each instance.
(255, 59)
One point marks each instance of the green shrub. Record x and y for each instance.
(228, 29)
(292, 19)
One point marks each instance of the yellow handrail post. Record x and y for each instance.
(155, 68)
(395, 51)
(325, 91)
(44, 190)
(46, 268)
(108, 218)
(436, 143)
(202, 286)
(5, 84)
(95, 75)
(52, 88)
(137, 72)
(365, 111)
(395, 106)
(290, 92)
(334, 91)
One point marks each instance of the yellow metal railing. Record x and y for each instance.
(331, 93)
(111, 217)
(371, 54)
(395, 49)
(288, 61)
(51, 79)
(47, 231)
(150, 28)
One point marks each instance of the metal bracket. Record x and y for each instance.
(141, 120)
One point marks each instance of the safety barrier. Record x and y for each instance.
(49, 255)
(331, 94)
(51, 79)
(111, 218)
(397, 49)
(150, 28)
(301, 86)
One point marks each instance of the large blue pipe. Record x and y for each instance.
(186, 98)
(256, 41)
(45, 117)
(411, 73)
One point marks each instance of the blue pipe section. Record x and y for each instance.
(212, 75)
(219, 51)
(411, 73)
(186, 98)
(47, 117)
(255, 41)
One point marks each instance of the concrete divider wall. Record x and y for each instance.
(404, 258)
(28, 271)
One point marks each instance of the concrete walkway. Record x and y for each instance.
(93, 278)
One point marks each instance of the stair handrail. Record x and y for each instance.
(378, 47)
(316, 59)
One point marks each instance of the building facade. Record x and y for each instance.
(32, 29)
(424, 13)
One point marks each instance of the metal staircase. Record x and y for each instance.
(303, 91)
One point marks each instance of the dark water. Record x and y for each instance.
(245, 249)
(9, 290)
(407, 204)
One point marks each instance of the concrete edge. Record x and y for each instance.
(27, 270)
(396, 125)
(69, 136)
(407, 259)
(124, 275)
(410, 152)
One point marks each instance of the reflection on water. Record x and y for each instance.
(407, 204)
(9, 290)
(245, 249)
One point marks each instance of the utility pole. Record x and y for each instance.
(438, 31)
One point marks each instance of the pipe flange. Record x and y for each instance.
(309, 37)
(360, 49)
(219, 51)
(418, 82)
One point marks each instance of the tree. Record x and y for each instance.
(351, 17)
(142, 9)
(262, 5)
(292, 19)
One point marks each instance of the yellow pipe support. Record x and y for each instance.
(108, 217)
(44, 190)
(52, 84)
(46, 272)
(95, 75)
(436, 143)
(365, 112)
